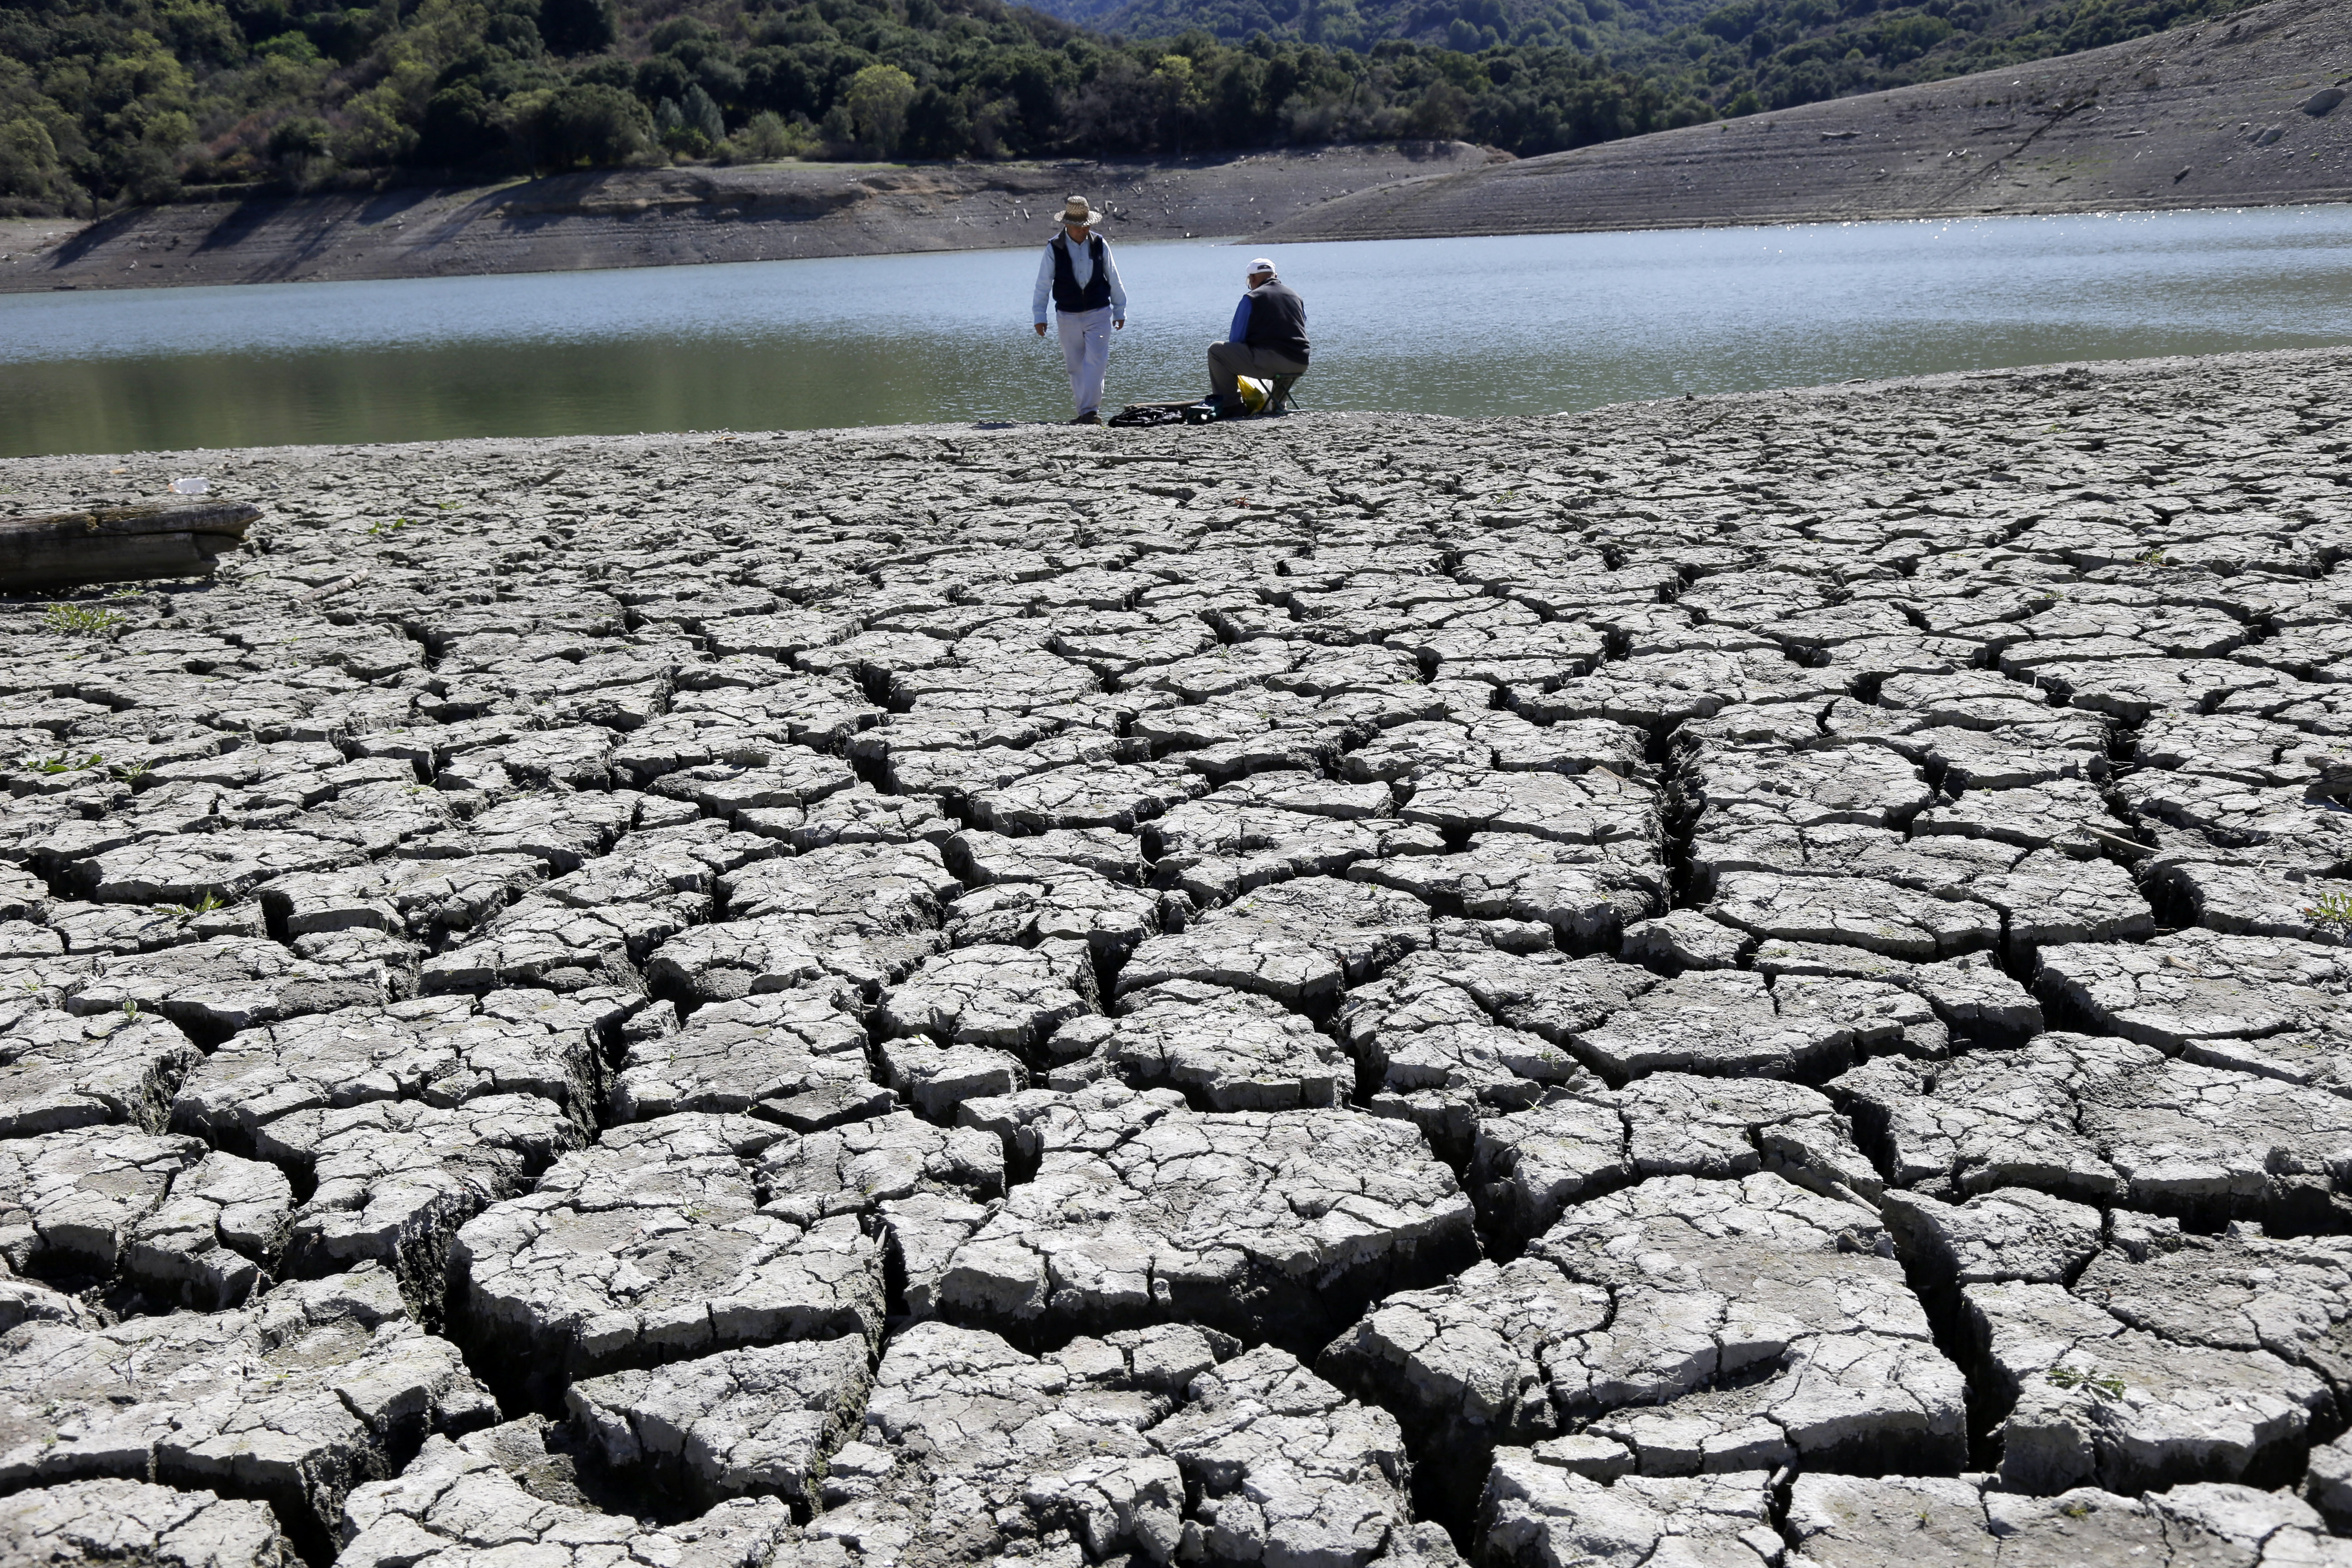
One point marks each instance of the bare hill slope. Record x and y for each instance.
(2244, 111)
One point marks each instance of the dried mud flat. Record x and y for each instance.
(1749, 981)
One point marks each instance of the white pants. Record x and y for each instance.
(1085, 348)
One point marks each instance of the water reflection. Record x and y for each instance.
(1520, 324)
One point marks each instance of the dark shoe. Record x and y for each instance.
(1088, 419)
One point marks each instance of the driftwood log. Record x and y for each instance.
(118, 543)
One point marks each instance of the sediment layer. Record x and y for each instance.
(1760, 980)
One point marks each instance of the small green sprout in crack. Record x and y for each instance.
(2333, 908)
(2153, 558)
(2072, 1377)
(204, 906)
(63, 762)
(131, 772)
(80, 620)
(130, 1012)
(383, 530)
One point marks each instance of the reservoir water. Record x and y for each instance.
(1513, 325)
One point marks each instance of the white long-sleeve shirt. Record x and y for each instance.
(1082, 268)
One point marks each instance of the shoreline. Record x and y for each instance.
(1664, 224)
(2154, 366)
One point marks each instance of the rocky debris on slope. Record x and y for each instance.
(1759, 960)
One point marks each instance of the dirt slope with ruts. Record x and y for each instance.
(2245, 111)
(660, 218)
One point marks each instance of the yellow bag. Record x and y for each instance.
(1255, 394)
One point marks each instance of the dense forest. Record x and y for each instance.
(109, 101)
(1735, 58)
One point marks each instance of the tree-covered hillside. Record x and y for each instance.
(112, 101)
(1734, 57)
(107, 101)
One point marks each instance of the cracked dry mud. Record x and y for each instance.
(1758, 981)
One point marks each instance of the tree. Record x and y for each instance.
(579, 26)
(702, 115)
(29, 169)
(460, 125)
(1438, 114)
(878, 99)
(598, 125)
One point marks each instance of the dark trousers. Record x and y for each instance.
(1229, 362)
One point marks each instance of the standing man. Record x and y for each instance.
(1269, 338)
(1089, 303)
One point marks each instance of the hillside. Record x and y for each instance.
(106, 102)
(2239, 112)
(1734, 57)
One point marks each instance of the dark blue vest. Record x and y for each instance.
(1067, 295)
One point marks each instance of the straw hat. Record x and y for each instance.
(1077, 211)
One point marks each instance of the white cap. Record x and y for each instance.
(1261, 265)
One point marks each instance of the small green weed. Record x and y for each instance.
(204, 906)
(383, 530)
(80, 620)
(2153, 558)
(2072, 1377)
(130, 1012)
(131, 772)
(63, 762)
(2333, 908)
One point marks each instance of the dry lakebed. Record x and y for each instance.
(1756, 980)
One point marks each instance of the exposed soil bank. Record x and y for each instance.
(2199, 117)
(662, 217)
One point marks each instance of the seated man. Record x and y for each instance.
(1269, 338)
